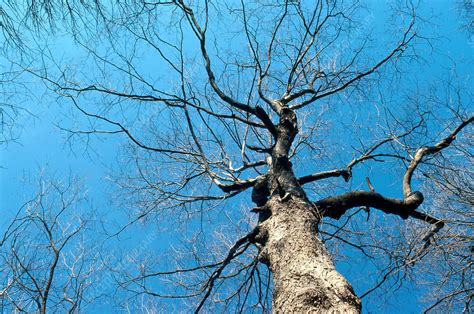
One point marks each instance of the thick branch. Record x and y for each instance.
(239, 185)
(430, 150)
(325, 174)
(336, 206)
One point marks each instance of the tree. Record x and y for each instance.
(466, 12)
(240, 114)
(46, 262)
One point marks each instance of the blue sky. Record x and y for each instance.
(42, 144)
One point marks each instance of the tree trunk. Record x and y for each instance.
(304, 277)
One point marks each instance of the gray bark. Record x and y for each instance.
(304, 277)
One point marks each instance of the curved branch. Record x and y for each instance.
(336, 206)
(201, 36)
(430, 150)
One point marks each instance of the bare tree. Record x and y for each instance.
(466, 13)
(18, 23)
(227, 103)
(452, 260)
(46, 263)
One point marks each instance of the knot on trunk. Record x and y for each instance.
(260, 191)
(288, 126)
(259, 240)
(413, 200)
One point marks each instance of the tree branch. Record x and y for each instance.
(239, 185)
(325, 174)
(398, 49)
(232, 253)
(430, 150)
(336, 206)
(201, 36)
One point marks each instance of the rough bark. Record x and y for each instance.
(304, 277)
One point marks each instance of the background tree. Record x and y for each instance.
(290, 101)
(466, 12)
(46, 262)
